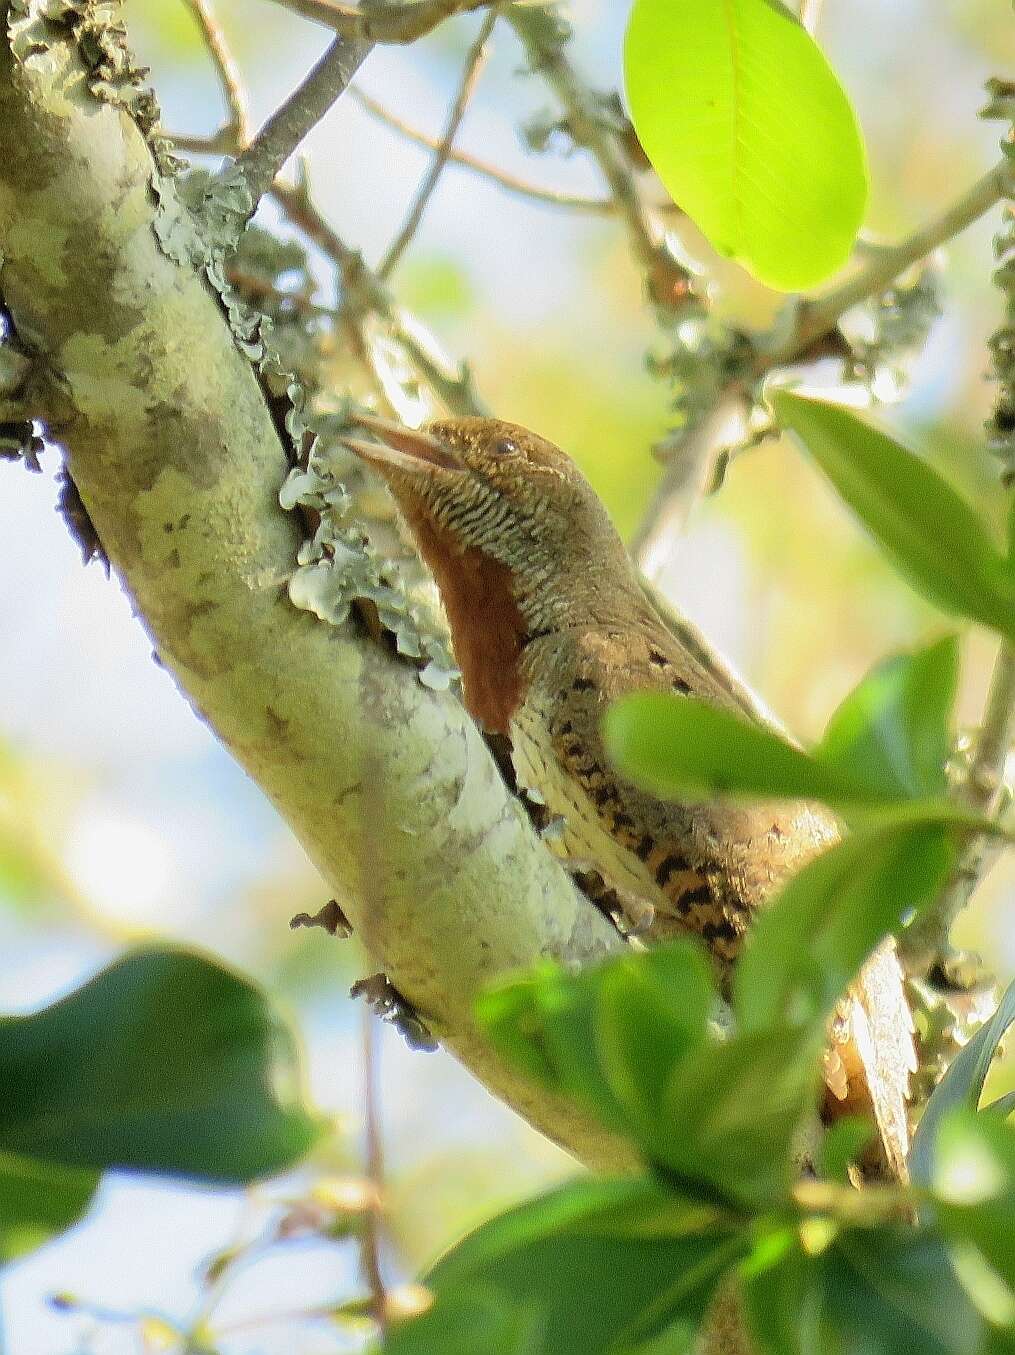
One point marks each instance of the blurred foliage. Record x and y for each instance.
(30, 808)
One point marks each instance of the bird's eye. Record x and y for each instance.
(504, 446)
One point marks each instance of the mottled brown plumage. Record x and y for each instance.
(550, 624)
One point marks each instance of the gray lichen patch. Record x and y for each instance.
(337, 567)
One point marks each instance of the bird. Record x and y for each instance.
(550, 624)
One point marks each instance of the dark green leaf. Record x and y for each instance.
(842, 1145)
(750, 131)
(962, 1085)
(733, 1112)
(930, 532)
(893, 729)
(478, 1321)
(609, 1036)
(38, 1199)
(843, 903)
(164, 1062)
(887, 1291)
(630, 1040)
(606, 1265)
(652, 1010)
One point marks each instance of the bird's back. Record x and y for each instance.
(703, 868)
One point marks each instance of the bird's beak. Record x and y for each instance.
(401, 448)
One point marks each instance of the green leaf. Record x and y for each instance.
(841, 1146)
(884, 1291)
(928, 530)
(974, 1189)
(652, 1010)
(678, 746)
(1003, 1106)
(733, 1112)
(962, 1085)
(749, 129)
(894, 727)
(609, 1036)
(38, 1199)
(163, 1062)
(479, 1321)
(631, 1041)
(605, 1265)
(843, 903)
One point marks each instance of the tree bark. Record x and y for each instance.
(169, 436)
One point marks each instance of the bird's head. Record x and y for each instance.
(514, 535)
(481, 486)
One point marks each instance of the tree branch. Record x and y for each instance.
(238, 126)
(982, 791)
(816, 319)
(170, 439)
(512, 183)
(684, 481)
(667, 282)
(262, 160)
(810, 14)
(395, 23)
(819, 316)
(471, 72)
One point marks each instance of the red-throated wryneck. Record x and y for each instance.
(549, 625)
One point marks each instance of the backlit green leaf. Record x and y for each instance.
(974, 1188)
(895, 726)
(930, 532)
(750, 131)
(680, 746)
(807, 946)
(961, 1086)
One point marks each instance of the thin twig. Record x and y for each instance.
(222, 142)
(815, 320)
(668, 283)
(370, 1251)
(262, 160)
(684, 480)
(473, 69)
(819, 316)
(810, 15)
(396, 23)
(225, 68)
(983, 791)
(484, 168)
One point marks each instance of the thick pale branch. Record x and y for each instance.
(178, 461)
